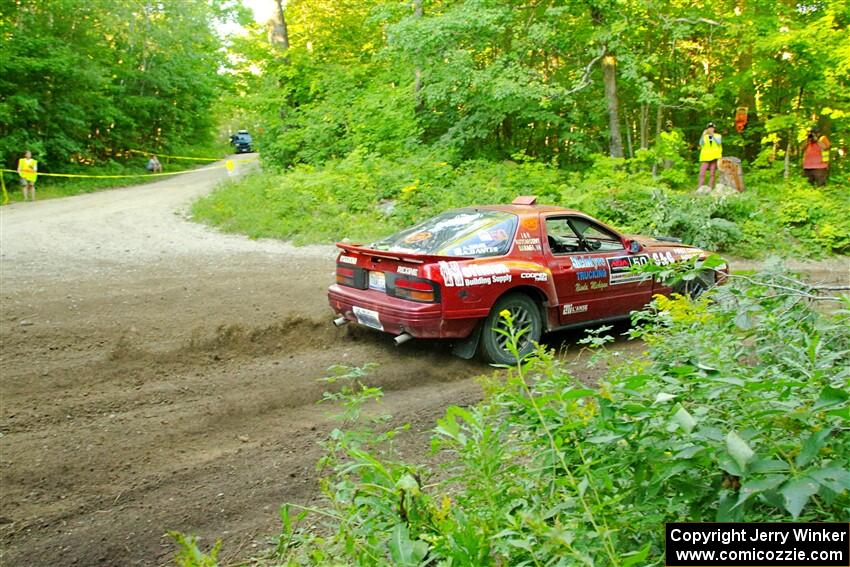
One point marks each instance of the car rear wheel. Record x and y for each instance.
(525, 315)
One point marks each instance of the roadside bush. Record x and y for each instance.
(738, 411)
(367, 195)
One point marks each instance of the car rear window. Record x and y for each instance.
(464, 232)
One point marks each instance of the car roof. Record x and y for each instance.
(528, 209)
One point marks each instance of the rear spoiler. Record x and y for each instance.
(399, 256)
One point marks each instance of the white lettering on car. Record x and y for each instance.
(347, 260)
(663, 258)
(570, 309)
(528, 243)
(536, 276)
(455, 275)
(407, 271)
(452, 276)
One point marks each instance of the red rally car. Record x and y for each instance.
(450, 276)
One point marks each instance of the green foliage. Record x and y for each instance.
(736, 412)
(190, 555)
(81, 81)
(485, 79)
(364, 196)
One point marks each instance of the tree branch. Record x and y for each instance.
(697, 21)
(794, 291)
(585, 79)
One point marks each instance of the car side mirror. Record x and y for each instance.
(633, 246)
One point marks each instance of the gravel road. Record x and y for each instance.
(158, 375)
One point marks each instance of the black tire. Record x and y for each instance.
(525, 313)
(697, 286)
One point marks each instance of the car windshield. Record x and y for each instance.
(243, 138)
(464, 232)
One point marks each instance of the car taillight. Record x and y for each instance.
(351, 277)
(413, 289)
(345, 276)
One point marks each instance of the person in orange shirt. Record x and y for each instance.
(28, 170)
(816, 158)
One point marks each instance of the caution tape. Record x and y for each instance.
(3, 186)
(229, 165)
(173, 157)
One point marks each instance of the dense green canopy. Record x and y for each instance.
(81, 80)
(553, 79)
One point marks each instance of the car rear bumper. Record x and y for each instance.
(397, 316)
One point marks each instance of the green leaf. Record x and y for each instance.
(744, 321)
(726, 510)
(638, 557)
(812, 446)
(684, 420)
(689, 452)
(572, 394)
(408, 484)
(768, 466)
(830, 397)
(843, 413)
(797, 492)
(663, 397)
(404, 551)
(739, 450)
(833, 477)
(750, 489)
(713, 261)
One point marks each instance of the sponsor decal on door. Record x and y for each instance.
(620, 269)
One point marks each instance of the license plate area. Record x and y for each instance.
(368, 318)
(378, 281)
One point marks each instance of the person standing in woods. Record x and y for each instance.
(710, 152)
(28, 170)
(816, 158)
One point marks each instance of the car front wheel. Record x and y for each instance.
(525, 315)
(697, 286)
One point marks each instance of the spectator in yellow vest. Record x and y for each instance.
(710, 152)
(28, 170)
(816, 158)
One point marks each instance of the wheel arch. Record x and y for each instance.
(467, 347)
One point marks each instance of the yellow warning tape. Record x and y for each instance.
(174, 157)
(3, 185)
(228, 165)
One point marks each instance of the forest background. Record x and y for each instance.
(372, 114)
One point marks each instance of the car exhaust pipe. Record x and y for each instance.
(340, 321)
(402, 338)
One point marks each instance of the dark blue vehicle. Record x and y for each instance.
(242, 141)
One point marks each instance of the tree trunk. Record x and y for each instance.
(609, 76)
(787, 170)
(747, 97)
(659, 116)
(644, 126)
(279, 32)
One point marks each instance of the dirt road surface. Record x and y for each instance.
(157, 375)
